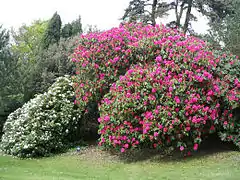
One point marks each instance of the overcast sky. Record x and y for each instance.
(103, 13)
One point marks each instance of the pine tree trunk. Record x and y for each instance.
(185, 27)
(153, 15)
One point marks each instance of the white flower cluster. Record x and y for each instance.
(43, 125)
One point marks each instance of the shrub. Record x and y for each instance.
(185, 91)
(102, 57)
(44, 125)
(229, 70)
(166, 89)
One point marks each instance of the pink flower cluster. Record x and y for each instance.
(102, 57)
(156, 87)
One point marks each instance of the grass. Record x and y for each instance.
(93, 163)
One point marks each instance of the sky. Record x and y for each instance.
(105, 14)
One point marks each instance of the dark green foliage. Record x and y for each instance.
(26, 48)
(40, 67)
(4, 60)
(4, 38)
(67, 30)
(72, 29)
(53, 31)
(215, 10)
(90, 130)
(9, 85)
(226, 31)
(50, 64)
(77, 27)
(55, 62)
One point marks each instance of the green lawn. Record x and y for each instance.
(96, 164)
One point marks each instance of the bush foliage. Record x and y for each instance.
(166, 89)
(102, 57)
(46, 124)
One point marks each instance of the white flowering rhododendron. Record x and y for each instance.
(45, 124)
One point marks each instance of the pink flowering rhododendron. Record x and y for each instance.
(157, 87)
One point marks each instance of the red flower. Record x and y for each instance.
(165, 129)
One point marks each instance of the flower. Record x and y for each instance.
(195, 147)
(99, 119)
(155, 134)
(159, 58)
(106, 118)
(188, 128)
(209, 98)
(165, 129)
(177, 100)
(181, 148)
(154, 90)
(160, 126)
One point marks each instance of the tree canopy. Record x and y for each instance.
(148, 11)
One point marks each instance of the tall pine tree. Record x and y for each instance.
(77, 26)
(53, 32)
(72, 29)
(146, 11)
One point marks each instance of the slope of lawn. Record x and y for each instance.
(92, 163)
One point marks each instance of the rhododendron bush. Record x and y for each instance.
(102, 57)
(46, 124)
(157, 87)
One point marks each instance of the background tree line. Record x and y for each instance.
(36, 56)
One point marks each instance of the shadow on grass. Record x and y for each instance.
(212, 145)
